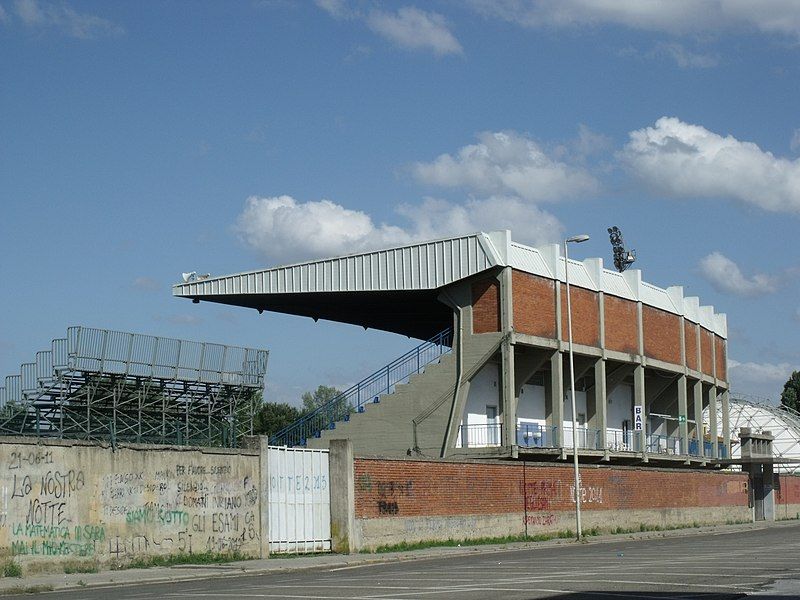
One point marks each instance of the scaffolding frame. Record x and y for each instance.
(99, 384)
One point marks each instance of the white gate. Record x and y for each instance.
(299, 500)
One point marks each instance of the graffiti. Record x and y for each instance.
(298, 483)
(388, 508)
(547, 494)
(542, 519)
(32, 458)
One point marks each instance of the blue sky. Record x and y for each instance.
(140, 140)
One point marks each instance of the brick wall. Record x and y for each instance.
(392, 488)
(662, 335)
(690, 335)
(486, 306)
(534, 301)
(788, 491)
(585, 316)
(722, 371)
(706, 341)
(621, 324)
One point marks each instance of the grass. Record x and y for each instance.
(29, 589)
(11, 569)
(171, 560)
(542, 537)
(81, 567)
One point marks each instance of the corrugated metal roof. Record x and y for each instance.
(435, 264)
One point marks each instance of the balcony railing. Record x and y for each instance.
(480, 436)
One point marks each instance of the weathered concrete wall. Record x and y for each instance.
(68, 501)
(412, 500)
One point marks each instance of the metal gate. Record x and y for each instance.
(299, 500)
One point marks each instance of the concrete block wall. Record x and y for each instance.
(412, 500)
(68, 501)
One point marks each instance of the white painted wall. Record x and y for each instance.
(484, 390)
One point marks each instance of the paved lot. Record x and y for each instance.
(762, 563)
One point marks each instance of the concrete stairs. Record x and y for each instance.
(413, 419)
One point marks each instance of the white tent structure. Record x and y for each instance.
(760, 415)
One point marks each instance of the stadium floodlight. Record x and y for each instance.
(189, 277)
(575, 239)
(622, 258)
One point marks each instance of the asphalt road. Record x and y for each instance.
(761, 563)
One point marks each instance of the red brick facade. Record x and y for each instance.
(486, 306)
(534, 301)
(706, 342)
(392, 488)
(690, 339)
(662, 335)
(722, 371)
(585, 316)
(621, 321)
(788, 492)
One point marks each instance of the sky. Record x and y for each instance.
(142, 140)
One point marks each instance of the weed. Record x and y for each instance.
(11, 569)
(81, 567)
(170, 560)
(29, 589)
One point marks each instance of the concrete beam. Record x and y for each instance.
(697, 400)
(343, 497)
(554, 398)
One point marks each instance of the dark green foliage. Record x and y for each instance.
(272, 417)
(791, 392)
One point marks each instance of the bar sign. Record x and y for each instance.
(637, 418)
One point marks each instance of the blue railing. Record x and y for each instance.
(366, 391)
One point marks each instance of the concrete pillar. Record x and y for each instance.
(726, 422)
(343, 497)
(554, 400)
(639, 400)
(261, 444)
(508, 399)
(697, 401)
(683, 414)
(712, 421)
(599, 419)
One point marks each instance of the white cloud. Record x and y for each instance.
(63, 17)
(671, 16)
(726, 276)
(409, 27)
(684, 160)
(415, 29)
(507, 163)
(687, 59)
(282, 229)
(766, 373)
(795, 143)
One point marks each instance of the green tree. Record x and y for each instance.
(321, 396)
(791, 392)
(272, 417)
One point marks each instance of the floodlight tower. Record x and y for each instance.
(622, 258)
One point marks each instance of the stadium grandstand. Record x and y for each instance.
(112, 386)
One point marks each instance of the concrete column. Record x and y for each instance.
(599, 422)
(508, 399)
(697, 400)
(712, 420)
(683, 414)
(639, 400)
(343, 497)
(554, 400)
(261, 444)
(726, 422)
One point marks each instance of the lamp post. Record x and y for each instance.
(575, 239)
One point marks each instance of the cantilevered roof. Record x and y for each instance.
(397, 289)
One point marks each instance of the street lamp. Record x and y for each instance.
(575, 239)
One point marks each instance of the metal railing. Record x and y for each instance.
(587, 439)
(368, 390)
(662, 444)
(533, 435)
(480, 436)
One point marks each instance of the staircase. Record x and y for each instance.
(406, 414)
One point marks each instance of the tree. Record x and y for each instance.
(321, 396)
(790, 396)
(272, 417)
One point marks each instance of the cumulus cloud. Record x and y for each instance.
(670, 16)
(415, 29)
(759, 372)
(282, 229)
(684, 160)
(63, 17)
(409, 27)
(726, 276)
(507, 163)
